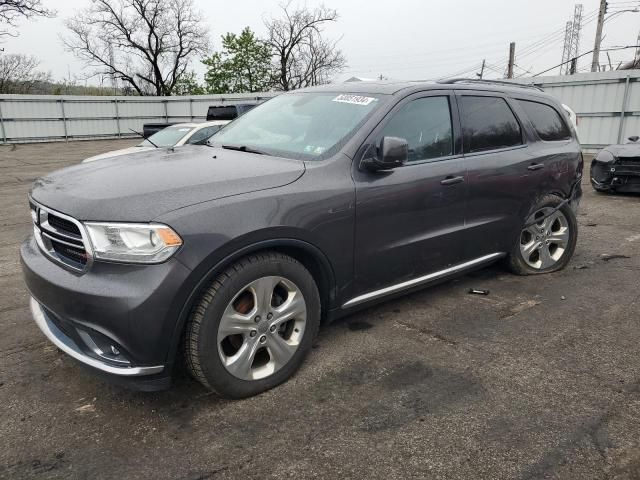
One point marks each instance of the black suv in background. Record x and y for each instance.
(308, 207)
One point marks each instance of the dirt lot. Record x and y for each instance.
(540, 379)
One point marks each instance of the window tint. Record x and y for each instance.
(488, 123)
(546, 120)
(426, 125)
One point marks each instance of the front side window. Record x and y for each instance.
(305, 126)
(425, 124)
(488, 124)
(546, 121)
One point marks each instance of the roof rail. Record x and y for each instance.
(490, 82)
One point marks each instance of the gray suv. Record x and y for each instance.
(312, 205)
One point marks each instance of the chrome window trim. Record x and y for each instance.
(42, 239)
(420, 280)
(64, 343)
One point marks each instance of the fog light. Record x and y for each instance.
(101, 346)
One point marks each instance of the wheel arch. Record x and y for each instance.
(306, 253)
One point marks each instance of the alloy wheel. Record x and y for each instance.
(543, 244)
(261, 328)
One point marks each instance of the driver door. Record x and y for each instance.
(410, 221)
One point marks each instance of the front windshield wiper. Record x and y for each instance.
(243, 148)
(134, 131)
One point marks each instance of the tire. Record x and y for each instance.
(547, 246)
(237, 343)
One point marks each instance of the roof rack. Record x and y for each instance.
(490, 82)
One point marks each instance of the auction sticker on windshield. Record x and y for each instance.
(354, 99)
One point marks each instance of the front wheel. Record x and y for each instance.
(548, 243)
(253, 326)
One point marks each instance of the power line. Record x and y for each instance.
(586, 53)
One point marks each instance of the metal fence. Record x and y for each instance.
(607, 105)
(38, 118)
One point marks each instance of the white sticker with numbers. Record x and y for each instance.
(354, 99)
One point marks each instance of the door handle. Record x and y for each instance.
(451, 180)
(535, 166)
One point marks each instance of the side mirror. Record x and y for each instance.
(634, 138)
(393, 152)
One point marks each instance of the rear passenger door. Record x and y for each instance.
(500, 172)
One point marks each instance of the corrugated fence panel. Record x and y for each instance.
(34, 130)
(31, 109)
(90, 110)
(92, 128)
(631, 127)
(138, 109)
(178, 109)
(597, 98)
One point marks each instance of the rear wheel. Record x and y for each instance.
(548, 243)
(253, 326)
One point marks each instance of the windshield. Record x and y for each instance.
(167, 137)
(300, 125)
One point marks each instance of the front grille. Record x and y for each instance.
(625, 167)
(631, 160)
(60, 237)
(64, 225)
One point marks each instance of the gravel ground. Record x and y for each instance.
(540, 379)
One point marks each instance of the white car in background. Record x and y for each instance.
(172, 136)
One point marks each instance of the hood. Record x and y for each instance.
(624, 150)
(159, 181)
(117, 153)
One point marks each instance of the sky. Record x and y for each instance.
(399, 39)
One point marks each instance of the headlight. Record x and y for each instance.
(132, 243)
(605, 156)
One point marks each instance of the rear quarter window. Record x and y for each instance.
(546, 121)
(488, 124)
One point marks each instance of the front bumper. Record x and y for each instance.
(117, 319)
(68, 346)
(620, 175)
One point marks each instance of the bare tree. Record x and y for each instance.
(147, 44)
(11, 11)
(303, 57)
(19, 73)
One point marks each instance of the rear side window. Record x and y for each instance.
(546, 120)
(488, 124)
(425, 124)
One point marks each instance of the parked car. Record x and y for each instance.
(309, 207)
(173, 136)
(228, 112)
(149, 129)
(616, 168)
(218, 112)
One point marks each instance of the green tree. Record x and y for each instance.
(188, 85)
(243, 65)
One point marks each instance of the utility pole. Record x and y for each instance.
(595, 63)
(574, 66)
(481, 69)
(512, 58)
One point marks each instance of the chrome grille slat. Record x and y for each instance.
(57, 240)
(51, 229)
